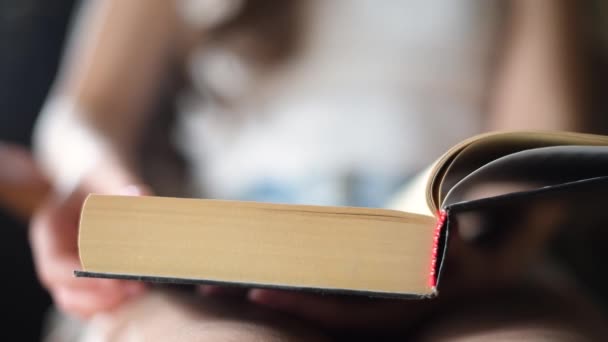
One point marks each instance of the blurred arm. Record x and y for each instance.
(22, 186)
(118, 55)
(537, 83)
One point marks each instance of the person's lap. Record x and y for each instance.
(166, 315)
(514, 314)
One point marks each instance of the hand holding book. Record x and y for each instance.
(54, 235)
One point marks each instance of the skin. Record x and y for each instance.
(22, 185)
(115, 107)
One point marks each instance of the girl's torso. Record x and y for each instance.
(372, 92)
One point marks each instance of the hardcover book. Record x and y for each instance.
(501, 179)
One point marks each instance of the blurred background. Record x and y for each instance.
(32, 40)
(32, 34)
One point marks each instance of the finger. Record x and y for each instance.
(54, 255)
(85, 303)
(54, 249)
(340, 311)
(326, 310)
(317, 308)
(54, 228)
(53, 235)
(59, 272)
(222, 291)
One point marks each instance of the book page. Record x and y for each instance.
(412, 198)
(473, 153)
(340, 249)
(532, 169)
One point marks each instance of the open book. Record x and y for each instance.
(506, 179)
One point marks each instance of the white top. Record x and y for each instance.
(376, 92)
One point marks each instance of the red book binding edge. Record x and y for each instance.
(441, 218)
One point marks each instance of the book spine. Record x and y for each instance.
(441, 217)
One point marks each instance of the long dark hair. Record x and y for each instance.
(264, 31)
